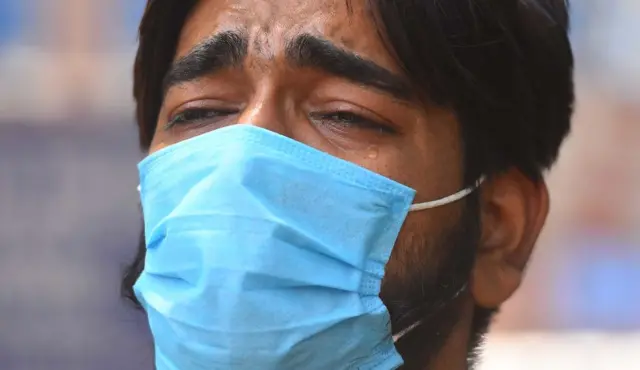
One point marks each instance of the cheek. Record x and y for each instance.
(157, 144)
(428, 160)
(421, 247)
(414, 253)
(436, 165)
(396, 159)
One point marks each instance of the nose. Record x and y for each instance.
(269, 111)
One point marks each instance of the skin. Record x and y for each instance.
(411, 142)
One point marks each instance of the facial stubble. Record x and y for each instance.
(429, 289)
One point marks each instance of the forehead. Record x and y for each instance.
(271, 23)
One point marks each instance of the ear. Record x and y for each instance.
(513, 211)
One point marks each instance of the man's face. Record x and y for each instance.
(319, 72)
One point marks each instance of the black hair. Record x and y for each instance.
(504, 67)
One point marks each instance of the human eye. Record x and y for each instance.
(198, 116)
(346, 120)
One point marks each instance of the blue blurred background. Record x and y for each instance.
(68, 201)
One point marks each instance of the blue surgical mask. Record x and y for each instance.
(264, 253)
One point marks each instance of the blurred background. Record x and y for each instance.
(68, 201)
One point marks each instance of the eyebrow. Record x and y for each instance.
(230, 48)
(311, 51)
(224, 50)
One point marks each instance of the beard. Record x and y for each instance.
(435, 270)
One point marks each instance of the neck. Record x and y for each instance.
(452, 353)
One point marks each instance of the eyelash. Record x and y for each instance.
(341, 118)
(349, 119)
(194, 115)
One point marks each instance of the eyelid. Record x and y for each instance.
(360, 106)
(356, 121)
(200, 117)
(201, 104)
(359, 111)
(173, 120)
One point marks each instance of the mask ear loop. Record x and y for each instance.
(449, 199)
(439, 307)
(433, 204)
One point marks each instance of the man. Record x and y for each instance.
(287, 140)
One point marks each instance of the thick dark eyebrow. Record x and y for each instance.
(224, 50)
(230, 48)
(307, 50)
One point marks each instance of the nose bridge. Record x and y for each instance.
(266, 110)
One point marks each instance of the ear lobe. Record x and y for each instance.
(513, 212)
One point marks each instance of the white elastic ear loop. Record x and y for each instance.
(410, 328)
(139, 188)
(405, 331)
(447, 200)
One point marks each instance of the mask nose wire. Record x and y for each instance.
(448, 199)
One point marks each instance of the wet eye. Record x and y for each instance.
(198, 115)
(348, 120)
